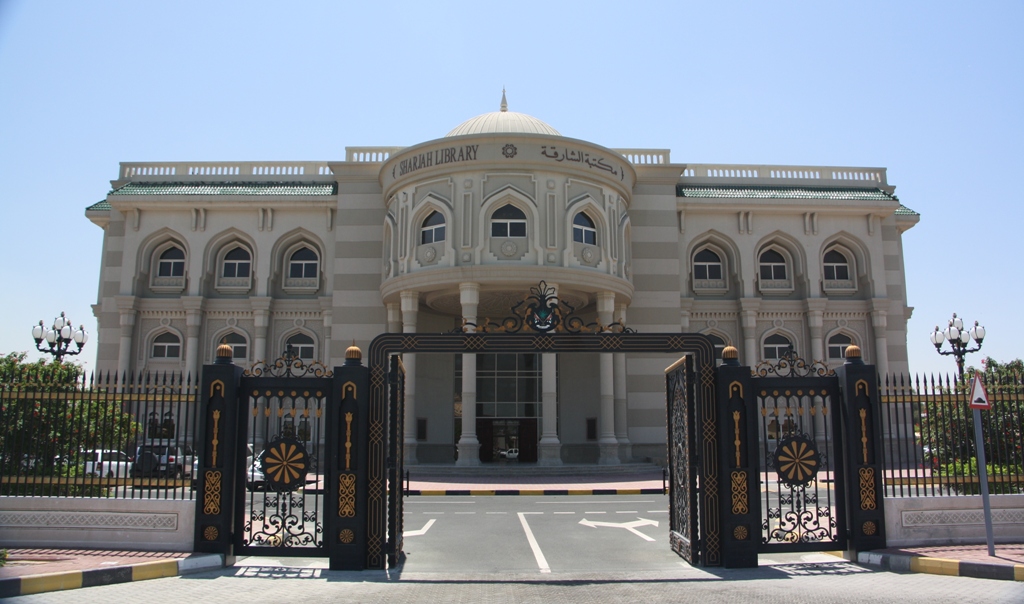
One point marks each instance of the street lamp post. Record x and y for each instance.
(958, 339)
(59, 337)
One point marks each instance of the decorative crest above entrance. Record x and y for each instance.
(289, 366)
(790, 365)
(543, 312)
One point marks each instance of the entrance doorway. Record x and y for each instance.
(507, 440)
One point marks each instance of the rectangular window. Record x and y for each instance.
(517, 229)
(766, 271)
(499, 229)
(421, 428)
(591, 428)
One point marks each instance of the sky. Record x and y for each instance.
(932, 91)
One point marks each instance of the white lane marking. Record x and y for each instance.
(629, 512)
(590, 500)
(422, 531)
(657, 511)
(457, 513)
(497, 512)
(434, 501)
(563, 512)
(595, 512)
(432, 513)
(542, 562)
(629, 526)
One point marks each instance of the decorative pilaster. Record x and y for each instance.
(261, 320)
(607, 442)
(748, 321)
(879, 324)
(127, 313)
(193, 325)
(815, 320)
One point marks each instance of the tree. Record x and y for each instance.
(49, 414)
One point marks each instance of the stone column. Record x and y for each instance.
(261, 320)
(606, 440)
(469, 446)
(193, 324)
(815, 314)
(550, 447)
(394, 317)
(748, 321)
(127, 312)
(410, 311)
(621, 424)
(879, 323)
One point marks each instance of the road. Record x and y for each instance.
(547, 549)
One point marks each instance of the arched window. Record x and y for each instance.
(166, 346)
(304, 264)
(773, 266)
(776, 346)
(508, 221)
(837, 346)
(172, 263)
(433, 228)
(707, 266)
(301, 345)
(837, 267)
(583, 230)
(237, 264)
(239, 346)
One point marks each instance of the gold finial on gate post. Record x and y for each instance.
(224, 354)
(730, 356)
(353, 354)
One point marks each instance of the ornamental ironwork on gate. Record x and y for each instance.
(802, 466)
(682, 460)
(281, 511)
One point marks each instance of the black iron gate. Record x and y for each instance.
(282, 510)
(802, 467)
(682, 466)
(396, 461)
(802, 500)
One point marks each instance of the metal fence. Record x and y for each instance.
(928, 432)
(126, 437)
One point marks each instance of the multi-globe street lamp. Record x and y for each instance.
(958, 338)
(59, 337)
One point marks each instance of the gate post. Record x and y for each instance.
(862, 452)
(346, 471)
(738, 477)
(216, 464)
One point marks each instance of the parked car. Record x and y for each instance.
(106, 463)
(162, 460)
(512, 454)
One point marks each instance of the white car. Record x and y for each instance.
(512, 454)
(106, 463)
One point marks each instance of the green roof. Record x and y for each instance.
(905, 211)
(100, 206)
(784, 193)
(226, 188)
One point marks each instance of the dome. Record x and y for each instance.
(503, 121)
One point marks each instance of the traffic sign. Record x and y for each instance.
(979, 397)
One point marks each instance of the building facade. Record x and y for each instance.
(316, 255)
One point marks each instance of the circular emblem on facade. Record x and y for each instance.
(778, 323)
(588, 254)
(509, 249)
(429, 254)
(509, 150)
(346, 536)
(869, 528)
(797, 460)
(740, 533)
(210, 533)
(285, 463)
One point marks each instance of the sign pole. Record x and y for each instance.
(979, 401)
(983, 477)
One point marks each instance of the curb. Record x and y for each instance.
(73, 579)
(530, 492)
(942, 566)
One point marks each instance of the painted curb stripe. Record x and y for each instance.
(530, 492)
(106, 576)
(981, 570)
(51, 582)
(154, 570)
(1018, 572)
(935, 566)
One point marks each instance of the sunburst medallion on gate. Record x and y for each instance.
(797, 460)
(285, 463)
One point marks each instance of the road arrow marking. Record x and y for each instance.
(422, 531)
(629, 526)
